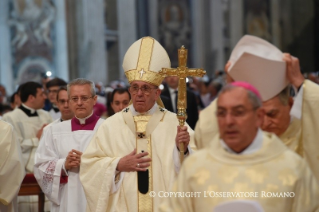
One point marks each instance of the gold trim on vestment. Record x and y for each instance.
(150, 126)
(142, 72)
(145, 201)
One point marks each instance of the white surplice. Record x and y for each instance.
(55, 144)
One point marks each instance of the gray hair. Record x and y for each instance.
(82, 81)
(284, 95)
(253, 98)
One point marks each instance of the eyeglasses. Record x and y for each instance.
(144, 89)
(62, 101)
(237, 113)
(82, 98)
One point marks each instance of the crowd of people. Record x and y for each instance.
(247, 144)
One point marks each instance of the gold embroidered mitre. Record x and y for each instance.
(144, 59)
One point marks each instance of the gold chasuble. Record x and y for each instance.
(109, 190)
(153, 131)
(277, 178)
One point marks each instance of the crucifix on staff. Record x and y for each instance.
(182, 72)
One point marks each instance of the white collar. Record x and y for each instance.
(29, 108)
(172, 90)
(150, 112)
(252, 148)
(82, 121)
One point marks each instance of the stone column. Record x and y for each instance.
(127, 28)
(275, 23)
(91, 41)
(217, 40)
(61, 41)
(236, 22)
(6, 73)
(153, 16)
(198, 41)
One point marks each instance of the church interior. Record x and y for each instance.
(41, 40)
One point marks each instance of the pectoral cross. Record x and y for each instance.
(141, 72)
(182, 71)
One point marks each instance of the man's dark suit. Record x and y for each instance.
(192, 111)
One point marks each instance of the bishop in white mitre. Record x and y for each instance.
(135, 151)
(296, 121)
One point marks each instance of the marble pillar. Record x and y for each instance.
(236, 22)
(91, 41)
(127, 28)
(217, 37)
(198, 42)
(61, 54)
(6, 73)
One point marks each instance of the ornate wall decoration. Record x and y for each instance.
(174, 26)
(32, 38)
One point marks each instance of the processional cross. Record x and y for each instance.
(182, 72)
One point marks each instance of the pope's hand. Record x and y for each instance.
(293, 72)
(134, 162)
(73, 159)
(182, 136)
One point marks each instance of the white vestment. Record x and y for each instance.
(276, 177)
(11, 168)
(54, 115)
(107, 190)
(55, 144)
(301, 136)
(26, 129)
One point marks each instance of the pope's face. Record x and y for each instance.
(81, 100)
(144, 95)
(277, 116)
(237, 119)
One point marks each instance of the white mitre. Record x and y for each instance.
(259, 63)
(143, 60)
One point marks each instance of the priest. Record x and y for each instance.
(135, 151)
(12, 169)
(295, 121)
(58, 157)
(28, 121)
(244, 162)
(63, 104)
(52, 90)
